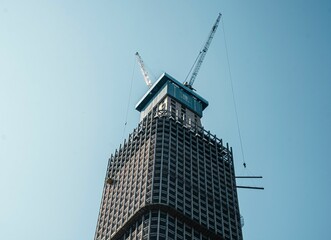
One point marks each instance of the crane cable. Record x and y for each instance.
(195, 62)
(233, 96)
(129, 100)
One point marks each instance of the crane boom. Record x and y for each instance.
(143, 70)
(202, 54)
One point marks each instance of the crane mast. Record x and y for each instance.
(143, 70)
(202, 54)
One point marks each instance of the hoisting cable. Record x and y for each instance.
(129, 100)
(193, 66)
(233, 96)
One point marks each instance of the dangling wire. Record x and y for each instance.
(193, 66)
(129, 100)
(233, 96)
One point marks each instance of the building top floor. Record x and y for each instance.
(169, 86)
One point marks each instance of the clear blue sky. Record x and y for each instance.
(65, 74)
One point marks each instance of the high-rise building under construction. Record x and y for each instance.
(171, 178)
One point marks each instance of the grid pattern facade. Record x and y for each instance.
(170, 180)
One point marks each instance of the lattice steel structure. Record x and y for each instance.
(171, 179)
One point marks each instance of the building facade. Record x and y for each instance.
(170, 179)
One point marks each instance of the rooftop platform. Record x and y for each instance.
(175, 89)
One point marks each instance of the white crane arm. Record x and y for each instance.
(203, 53)
(143, 70)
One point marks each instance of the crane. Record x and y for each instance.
(143, 70)
(201, 55)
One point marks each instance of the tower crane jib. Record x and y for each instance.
(202, 54)
(143, 70)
